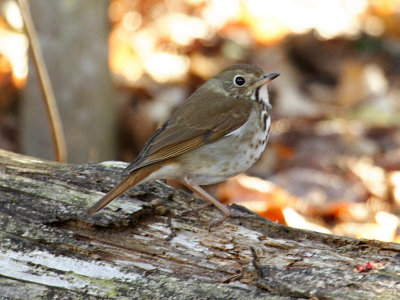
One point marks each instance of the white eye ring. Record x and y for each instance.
(239, 80)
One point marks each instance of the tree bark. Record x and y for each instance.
(143, 245)
(74, 39)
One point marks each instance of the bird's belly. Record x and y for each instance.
(229, 156)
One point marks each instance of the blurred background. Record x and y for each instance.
(120, 67)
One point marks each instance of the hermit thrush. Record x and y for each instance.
(218, 132)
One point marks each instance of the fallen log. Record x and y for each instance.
(145, 244)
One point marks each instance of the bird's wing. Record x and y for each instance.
(208, 120)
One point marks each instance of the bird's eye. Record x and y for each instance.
(239, 81)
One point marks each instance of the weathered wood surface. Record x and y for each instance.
(49, 250)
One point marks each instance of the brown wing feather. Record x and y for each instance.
(170, 151)
(184, 132)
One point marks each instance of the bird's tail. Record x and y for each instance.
(121, 187)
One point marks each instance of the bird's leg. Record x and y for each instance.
(212, 201)
(205, 205)
(207, 197)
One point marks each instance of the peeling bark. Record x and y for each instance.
(48, 249)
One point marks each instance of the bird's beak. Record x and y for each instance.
(266, 79)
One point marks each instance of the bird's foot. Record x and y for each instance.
(231, 214)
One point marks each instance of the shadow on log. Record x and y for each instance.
(143, 245)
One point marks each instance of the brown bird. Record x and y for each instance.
(218, 132)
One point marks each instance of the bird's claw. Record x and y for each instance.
(231, 215)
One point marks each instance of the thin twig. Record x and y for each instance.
(53, 116)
